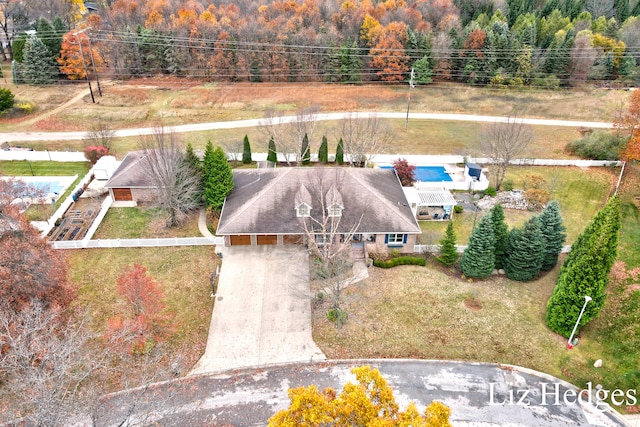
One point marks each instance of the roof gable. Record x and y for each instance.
(131, 173)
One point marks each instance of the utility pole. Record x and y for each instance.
(84, 64)
(411, 86)
(93, 64)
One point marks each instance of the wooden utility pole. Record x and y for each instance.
(411, 86)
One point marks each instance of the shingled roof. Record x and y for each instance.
(263, 201)
(131, 173)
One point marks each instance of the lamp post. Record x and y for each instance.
(587, 298)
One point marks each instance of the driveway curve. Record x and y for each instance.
(262, 311)
(479, 395)
(59, 136)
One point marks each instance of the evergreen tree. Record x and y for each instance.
(423, 70)
(246, 151)
(501, 233)
(17, 47)
(323, 152)
(272, 155)
(305, 152)
(340, 152)
(478, 259)
(448, 253)
(38, 65)
(49, 37)
(553, 234)
(524, 252)
(585, 272)
(217, 176)
(192, 159)
(622, 10)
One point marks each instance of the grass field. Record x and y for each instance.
(181, 272)
(143, 223)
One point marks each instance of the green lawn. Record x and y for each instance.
(143, 222)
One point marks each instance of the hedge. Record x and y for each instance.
(403, 260)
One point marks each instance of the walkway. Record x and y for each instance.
(197, 127)
(262, 311)
(477, 393)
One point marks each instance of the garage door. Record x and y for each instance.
(240, 240)
(122, 194)
(292, 239)
(270, 239)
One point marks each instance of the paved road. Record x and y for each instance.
(61, 136)
(479, 395)
(262, 313)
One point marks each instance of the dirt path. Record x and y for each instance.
(59, 108)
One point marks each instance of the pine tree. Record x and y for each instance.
(38, 65)
(524, 252)
(478, 259)
(340, 152)
(323, 152)
(272, 155)
(246, 152)
(501, 233)
(585, 272)
(192, 159)
(553, 234)
(49, 37)
(305, 152)
(448, 253)
(423, 71)
(217, 176)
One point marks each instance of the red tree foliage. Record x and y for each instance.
(631, 123)
(29, 268)
(145, 320)
(405, 171)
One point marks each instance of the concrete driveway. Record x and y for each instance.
(262, 312)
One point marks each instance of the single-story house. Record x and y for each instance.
(130, 181)
(430, 204)
(289, 205)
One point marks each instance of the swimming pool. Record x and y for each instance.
(47, 185)
(429, 173)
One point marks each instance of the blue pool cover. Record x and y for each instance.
(429, 173)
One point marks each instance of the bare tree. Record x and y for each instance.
(363, 138)
(288, 132)
(328, 234)
(44, 364)
(502, 142)
(100, 133)
(178, 186)
(233, 149)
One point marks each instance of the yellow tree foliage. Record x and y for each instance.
(610, 45)
(75, 10)
(370, 402)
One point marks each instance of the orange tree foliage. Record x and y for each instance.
(144, 321)
(630, 121)
(389, 56)
(29, 268)
(370, 402)
(71, 59)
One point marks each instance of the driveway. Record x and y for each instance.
(262, 312)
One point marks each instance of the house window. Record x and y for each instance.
(396, 239)
(334, 210)
(303, 210)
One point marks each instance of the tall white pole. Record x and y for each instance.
(587, 298)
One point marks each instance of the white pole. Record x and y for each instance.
(587, 298)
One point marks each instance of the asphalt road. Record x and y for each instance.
(61, 136)
(480, 395)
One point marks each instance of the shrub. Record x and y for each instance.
(94, 152)
(458, 209)
(6, 99)
(507, 185)
(490, 191)
(598, 145)
(403, 260)
(337, 316)
(537, 198)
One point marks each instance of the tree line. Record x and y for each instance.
(484, 42)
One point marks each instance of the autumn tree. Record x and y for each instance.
(389, 58)
(217, 177)
(405, 172)
(100, 133)
(178, 187)
(74, 63)
(629, 123)
(502, 142)
(369, 402)
(144, 320)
